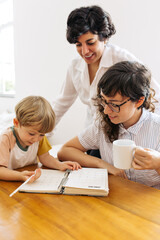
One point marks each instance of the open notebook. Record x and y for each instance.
(85, 181)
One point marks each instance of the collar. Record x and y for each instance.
(17, 141)
(106, 60)
(136, 127)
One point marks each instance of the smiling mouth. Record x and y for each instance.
(89, 56)
(110, 117)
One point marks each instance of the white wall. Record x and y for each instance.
(42, 53)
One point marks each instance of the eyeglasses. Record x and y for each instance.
(112, 106)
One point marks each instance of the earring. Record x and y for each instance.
(105, 43)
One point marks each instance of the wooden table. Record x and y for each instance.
(131, 211)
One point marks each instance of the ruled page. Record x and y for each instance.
(49, 181)
(89, 178)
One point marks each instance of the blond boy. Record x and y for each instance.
(21, 144)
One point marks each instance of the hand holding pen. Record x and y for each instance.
(33, 174)
(30, 177)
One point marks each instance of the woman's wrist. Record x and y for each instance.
(106, 165)
(158, 170)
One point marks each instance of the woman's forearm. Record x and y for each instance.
(73, 154)
(85, 160)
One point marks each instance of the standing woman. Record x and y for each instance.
(90, 28)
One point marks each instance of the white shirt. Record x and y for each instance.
(77, 82)
(145, 133)
(13, 155)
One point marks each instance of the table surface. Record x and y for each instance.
(130, 211)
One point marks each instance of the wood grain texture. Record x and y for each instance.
(131, 211)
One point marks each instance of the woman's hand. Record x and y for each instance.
(113, 170)
(145, 158)
(120, 173)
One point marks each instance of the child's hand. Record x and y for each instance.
(36, 174)
(69, 165)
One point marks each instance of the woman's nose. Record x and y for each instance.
(107, 109)
(85, 49)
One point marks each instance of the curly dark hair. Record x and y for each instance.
(93, 19)
(130, 79)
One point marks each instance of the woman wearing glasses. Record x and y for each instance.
(90, 29)
(123, 100)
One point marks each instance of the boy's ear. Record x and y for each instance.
(15, 122)
(140, 102)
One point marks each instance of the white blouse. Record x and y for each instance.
(77, 82)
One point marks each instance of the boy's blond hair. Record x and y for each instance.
(35, 111)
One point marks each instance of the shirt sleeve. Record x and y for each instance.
(67, 96)
(90, 136)
(44, 146)
(156, 86)
(5, 149)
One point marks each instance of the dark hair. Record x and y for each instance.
(130, 79)
(93, 19)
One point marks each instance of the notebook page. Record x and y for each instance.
(90, 178)
(47, 182)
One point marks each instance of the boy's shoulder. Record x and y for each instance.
(7, 132)
(7, 136)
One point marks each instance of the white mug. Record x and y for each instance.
(123, 151)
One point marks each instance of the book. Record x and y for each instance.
(85, 181)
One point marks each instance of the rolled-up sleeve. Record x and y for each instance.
(89, 137)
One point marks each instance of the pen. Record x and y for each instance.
(22, 185)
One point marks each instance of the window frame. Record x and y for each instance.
(4, 26)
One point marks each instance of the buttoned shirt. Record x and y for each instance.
(77, 82)
(145, 133)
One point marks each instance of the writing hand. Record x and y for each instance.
(36, 174)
